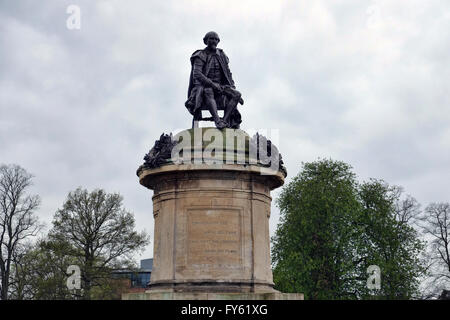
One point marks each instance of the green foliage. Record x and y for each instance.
(313, 240)
(331, 229)
(389, 241)
(98, 235)
(41, 273)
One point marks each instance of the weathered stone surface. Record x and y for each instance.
(211, 238)
(211, 228)
(214, 147)
(154, 295)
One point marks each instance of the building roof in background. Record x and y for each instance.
(147, 264)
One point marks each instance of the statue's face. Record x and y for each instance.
(212, 42)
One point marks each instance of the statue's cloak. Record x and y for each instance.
(195, 89)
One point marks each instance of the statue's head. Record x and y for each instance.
(211, 39)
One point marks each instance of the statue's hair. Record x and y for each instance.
(211, 33)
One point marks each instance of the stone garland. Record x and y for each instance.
(161, 153)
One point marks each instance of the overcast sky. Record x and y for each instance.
(365, 82)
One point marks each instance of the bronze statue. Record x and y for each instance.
(211, 86)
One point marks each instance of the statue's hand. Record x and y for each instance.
(217, 87)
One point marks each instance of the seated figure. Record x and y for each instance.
(211, 86)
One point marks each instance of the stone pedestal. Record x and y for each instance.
(161, 295)
(211, 226)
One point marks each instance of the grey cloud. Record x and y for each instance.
(81, 108)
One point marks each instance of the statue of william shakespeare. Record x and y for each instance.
(221, 254)
(211, 86)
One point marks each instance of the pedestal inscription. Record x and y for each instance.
(214, 238)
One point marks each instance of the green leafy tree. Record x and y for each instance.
(332, 229)
(100, 234)
(40, 273)
(313, 244)
(389, 241)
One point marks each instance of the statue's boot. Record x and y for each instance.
(221, 124)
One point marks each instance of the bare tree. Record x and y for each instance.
(407, 210)
(17, 219)
(435, 223)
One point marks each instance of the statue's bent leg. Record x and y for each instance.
(212, 105)
(233, 99)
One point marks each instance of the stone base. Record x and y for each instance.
(217, 286)
(212, 210)
(162, 295)
(211, 228)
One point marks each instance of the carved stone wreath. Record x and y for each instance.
(161, 153)
(270, 155)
